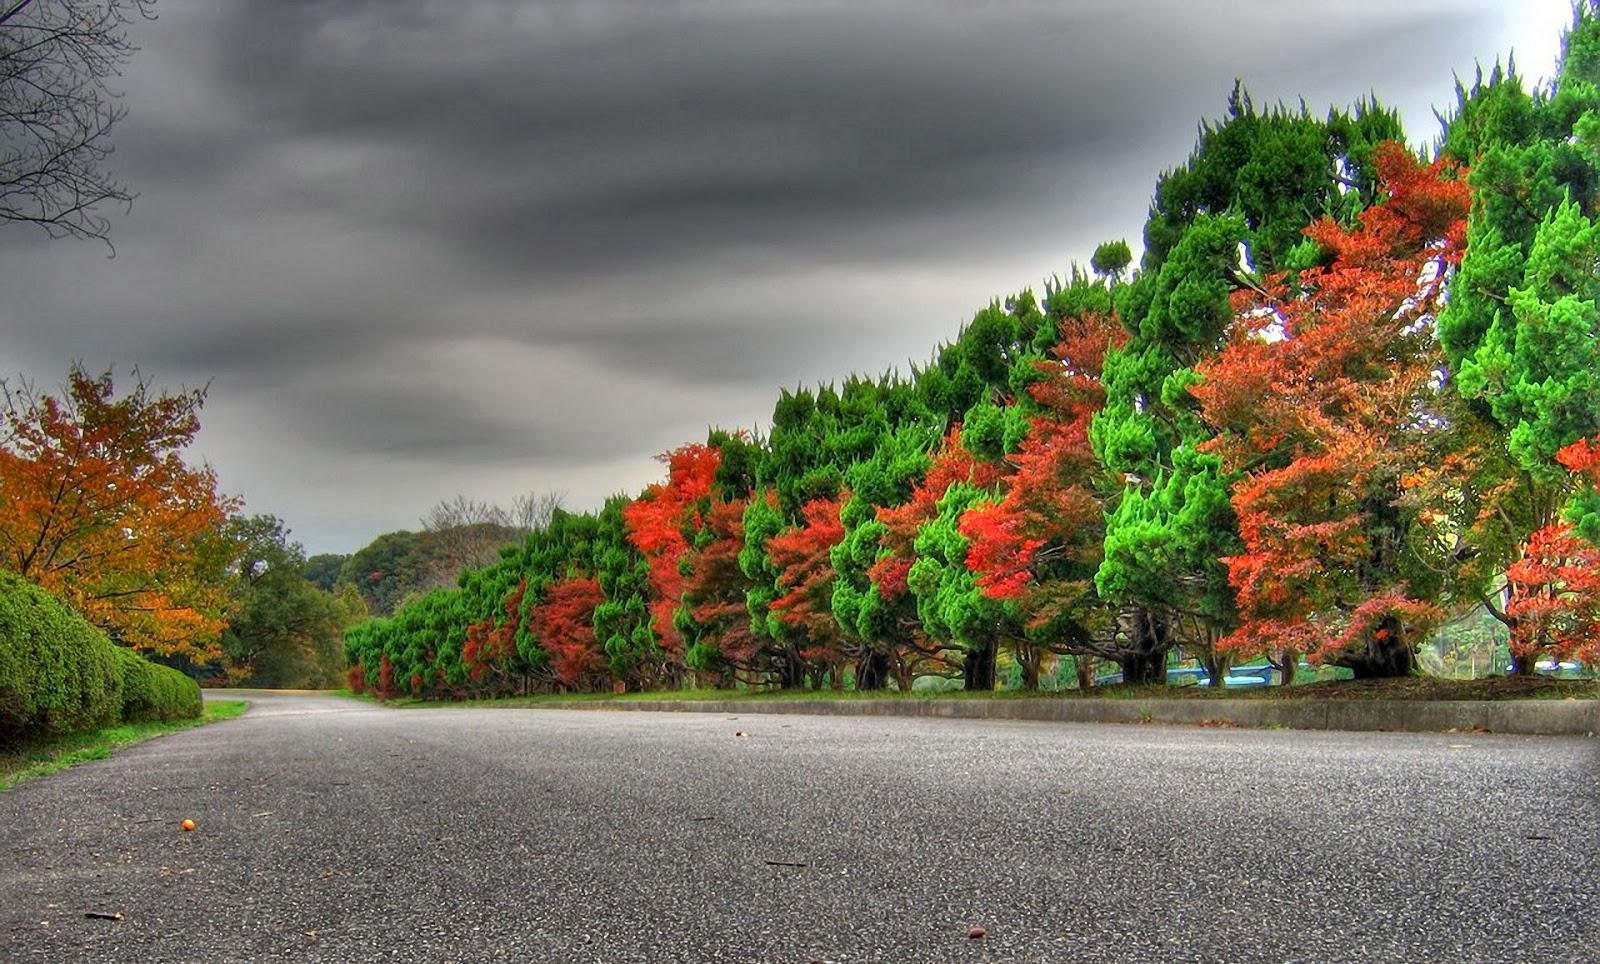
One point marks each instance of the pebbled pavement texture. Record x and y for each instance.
(335, 830)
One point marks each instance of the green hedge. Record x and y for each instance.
(58, 674)
(151, 691)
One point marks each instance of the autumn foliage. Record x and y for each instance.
(1321, 400)
(1554, 589)
(490, 648)
(97, 504)
(714, 616)
(660, 523)
(950, 464)
(1050, 511)
(564, 624)
(803, 555)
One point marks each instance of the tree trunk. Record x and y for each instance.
(1288, 666)
(977, 670)
(1085, 668)
(1217, 666)
(872, 670)
(1144, 669)
(791, 674)
(903, 677)
(1381, 658)
(1145, 662)
(1030, 658)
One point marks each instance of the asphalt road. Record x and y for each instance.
(337, 831)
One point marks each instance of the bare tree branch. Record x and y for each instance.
(533, 511)
(57, 111)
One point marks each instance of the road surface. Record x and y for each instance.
(334, 830)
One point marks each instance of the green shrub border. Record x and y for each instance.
(59, 674)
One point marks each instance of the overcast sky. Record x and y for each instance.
(494, 246)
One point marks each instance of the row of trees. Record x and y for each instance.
(1344, 395)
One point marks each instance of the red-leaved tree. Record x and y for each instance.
(950, 463)
(1554, 589)
(490, 649)
(806, 575)
(564, 626)
(1322, 399)
(714, 620)
(660, 523)
(1040, 543)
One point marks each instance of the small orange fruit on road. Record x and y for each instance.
(187, 824)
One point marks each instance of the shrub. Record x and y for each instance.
(58, 674)
(386, 687)
(151, 691)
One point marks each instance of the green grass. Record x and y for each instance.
(48, 756)
(1407, 688)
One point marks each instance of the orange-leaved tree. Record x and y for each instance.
(97, 504)
(1323, 401)
(714, 620)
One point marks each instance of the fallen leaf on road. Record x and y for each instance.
(976, 933)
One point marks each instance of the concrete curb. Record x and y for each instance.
(1528, 717)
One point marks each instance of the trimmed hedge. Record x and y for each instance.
(151, 691)
(58, 674)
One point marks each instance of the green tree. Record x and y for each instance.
(950, 602)
(285, 631)
(1520, 330)
(1111, 259)
(322, 569)
(1173, 522)
(391, 568)
(1253, 183)
(622, 620)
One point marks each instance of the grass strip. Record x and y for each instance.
(1405, 688)
(34, 760)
